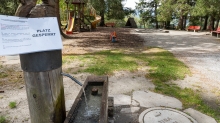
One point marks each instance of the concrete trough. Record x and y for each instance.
(97, 110)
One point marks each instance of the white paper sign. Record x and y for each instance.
(28, 35)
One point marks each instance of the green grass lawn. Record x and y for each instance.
(163, 68)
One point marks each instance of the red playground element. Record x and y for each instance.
(113, 36)
(216, 33)
(194, 28)
(110, 24)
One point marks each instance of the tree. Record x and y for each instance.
(100, 7)
(115, 9)
(181, 10)
(111, 8)
(129, 11)
(148, 8)
(208, 8)
(166, 12)
(140, 6)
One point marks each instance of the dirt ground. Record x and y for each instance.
(122, 82)
(84, 42)
(99, 39)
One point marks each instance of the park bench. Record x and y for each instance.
(194, 28)
(110, 24)
(216, 33)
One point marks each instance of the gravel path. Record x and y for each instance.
(199, 51)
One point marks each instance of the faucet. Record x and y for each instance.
(71, 77)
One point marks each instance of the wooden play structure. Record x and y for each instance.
(131, 23)
(77, 20)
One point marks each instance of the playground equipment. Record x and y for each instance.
(113, 36)
(131, 23)
(77, 18)
(69, 29)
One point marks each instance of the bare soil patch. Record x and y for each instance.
(99, 39)
(83, 42)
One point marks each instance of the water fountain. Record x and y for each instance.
(96, 108)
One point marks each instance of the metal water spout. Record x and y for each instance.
(71, 77)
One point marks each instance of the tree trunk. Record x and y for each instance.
(205, 23)
(102, 13)
(212, 23)
(155, 9)
(168, 25)
(216, 24)
(180, 24)
(184, 22)
(102, 22)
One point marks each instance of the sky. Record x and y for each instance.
(130, 3)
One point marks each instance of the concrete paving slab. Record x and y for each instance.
(127, 118)
(121, 99)
(130, 110)
(200, 117)
(135, 103)
(149, 99)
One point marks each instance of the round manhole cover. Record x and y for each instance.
(164, 115)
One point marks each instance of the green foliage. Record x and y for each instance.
(63, 10)
(115, 9)
(99, 5)
(8, 7)
(2, 119)
(118, 22)
(106, 62)
(207, 7)
(181, 7)
(148, 11)
(68, 59)
(195, 21)
(188, 97)
(12, 105)
(165, 67)
(3, 75)
(165, 10)
(128, 12)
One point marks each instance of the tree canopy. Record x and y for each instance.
(183, 10)
(205, 13)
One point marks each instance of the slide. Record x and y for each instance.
(69, 29)
(97, 20)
